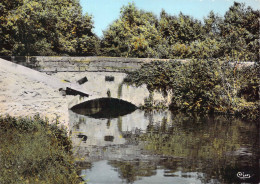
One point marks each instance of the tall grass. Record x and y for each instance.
(34, 151)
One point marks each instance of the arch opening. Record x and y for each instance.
(104, 108)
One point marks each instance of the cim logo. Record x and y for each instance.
(243, 175)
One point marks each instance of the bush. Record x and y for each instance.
(157, 75)
(204, 86)
(196, 86)
(33, 151)
(215, 86)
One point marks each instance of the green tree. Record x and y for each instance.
(48, 28)
(211, 25)
(134, 34)
(203, 86)
(207, 48)
(240, 32)
(179, 29)
(6, 32)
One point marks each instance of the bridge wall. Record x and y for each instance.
(98, 87)
(96, 69)
(71, 69)
(91, 64)
(81, 64)
(26, 92)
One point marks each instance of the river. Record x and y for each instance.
(164, 147)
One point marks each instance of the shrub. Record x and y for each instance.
(157, 75)
(33, 151)
(204, 86)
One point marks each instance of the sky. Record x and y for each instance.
(104, 12)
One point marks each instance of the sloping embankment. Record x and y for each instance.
(26, 92)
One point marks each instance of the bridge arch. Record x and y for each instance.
(104, 108)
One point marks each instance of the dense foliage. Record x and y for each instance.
(204, 85)
(36, 27)
(133, 35)
(33, 151)
(141, 34)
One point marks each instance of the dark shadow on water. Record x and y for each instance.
(104, 108)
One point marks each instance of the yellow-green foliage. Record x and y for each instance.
(33, 151)
(180, 50)
(216, 86)
(138, 33)
(32, 27)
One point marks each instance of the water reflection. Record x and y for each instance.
(160, 147)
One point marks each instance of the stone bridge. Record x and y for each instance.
(26, 91)
(107, 85)
(98, 77)
(82, 79)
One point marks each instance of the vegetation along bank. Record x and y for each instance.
(34, 151)
(203, 86)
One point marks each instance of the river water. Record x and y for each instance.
(163, 147)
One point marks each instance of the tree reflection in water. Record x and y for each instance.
(209, 149)
(219, 147)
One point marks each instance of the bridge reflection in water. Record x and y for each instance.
(161, 147)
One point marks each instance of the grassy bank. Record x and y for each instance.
(204, 86)
(34, 151)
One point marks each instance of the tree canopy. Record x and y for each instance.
(53, 27)
(134, 34)
(141, 34)
(58, 27)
